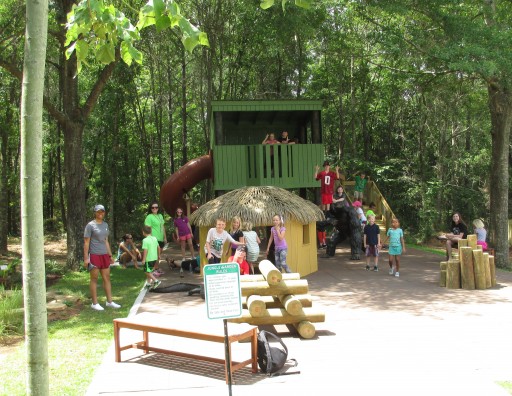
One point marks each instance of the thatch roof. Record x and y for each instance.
(257, 205)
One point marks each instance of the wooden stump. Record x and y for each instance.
(292, 304)
(279, 316)
(284, 287)
(471, 238)
(270, 272)
(261, 278)
(466, 268)
(306, 329)
(462, 243)
(492, 268)
(256, 306)
(487, 269)
(442, 278)
(274, 302)
(478, 262)
(453, 274)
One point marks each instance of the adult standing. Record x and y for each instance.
(155, 220)
(98, 257)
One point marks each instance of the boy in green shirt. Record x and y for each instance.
(150, 256)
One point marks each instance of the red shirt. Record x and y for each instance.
(244, 266)
(327, 181)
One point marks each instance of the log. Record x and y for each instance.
(306, 329)
(260, 278)
(471, 238)
(270, 272)
(280, 316)
(256, 306)
(487, 269)
(274, 302)
(292, 304)
(466, 268)
(492, 267)
(478, 262)
(299, 286)
(462, 242)
(453, 274)
(442, 278)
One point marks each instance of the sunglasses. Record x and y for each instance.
(154, 207)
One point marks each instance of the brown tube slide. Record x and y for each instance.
(182, 181)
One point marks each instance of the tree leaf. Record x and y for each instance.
(265, 4)
(106, 53)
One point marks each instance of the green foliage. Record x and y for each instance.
(11, 312)
(98, 27)
(53, 267)
(265, 4)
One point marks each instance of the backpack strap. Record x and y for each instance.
(268, 335)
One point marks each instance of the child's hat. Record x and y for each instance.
(357, 204)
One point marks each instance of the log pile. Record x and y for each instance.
(469, 269)
(275, 298)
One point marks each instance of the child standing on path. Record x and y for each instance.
(371, 243)
(396, 246)
(150, 256)
(327, 179)
(252, 242)
(281, 247)
(215, 242)
(183, 232)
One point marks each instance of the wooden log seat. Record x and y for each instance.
(211, 330)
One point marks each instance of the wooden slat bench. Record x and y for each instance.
(211, 330)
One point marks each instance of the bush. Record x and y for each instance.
(11, 312)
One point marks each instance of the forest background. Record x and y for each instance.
(406, 89)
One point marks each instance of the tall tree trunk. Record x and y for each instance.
(500, 106)
(184, 107)
(31, 186)
(170, 111)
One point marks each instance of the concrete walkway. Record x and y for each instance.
(382, 335)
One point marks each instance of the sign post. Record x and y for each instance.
(223, 299)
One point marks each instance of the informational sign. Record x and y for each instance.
(222, 290)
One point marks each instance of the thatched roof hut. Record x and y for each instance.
(257, 205)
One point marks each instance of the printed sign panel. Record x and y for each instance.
(222, 290)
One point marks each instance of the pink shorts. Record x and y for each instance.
(326, 199)
(185, 237)
(483, 244)
(100, 261)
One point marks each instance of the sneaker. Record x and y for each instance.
(113, 305)
(156, 284)
(97, 307)
(147, 285)
(367, 268)
(181, 273)
(397, 275)
(391, 271)
(375, 268)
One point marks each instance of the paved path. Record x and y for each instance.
(382, 335)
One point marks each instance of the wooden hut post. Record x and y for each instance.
(471, 238)
(466, 268)
(492, 268)
(453, 274)
(478, 262)
(442, 278)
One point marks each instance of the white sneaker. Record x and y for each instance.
(97, 307)
(113, 305)
(397, 274)
(391, 271)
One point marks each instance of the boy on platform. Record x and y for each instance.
(150, 255)
(371, 243)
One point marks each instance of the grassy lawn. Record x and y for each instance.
(77, 344)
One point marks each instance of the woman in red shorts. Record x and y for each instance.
(98, 257)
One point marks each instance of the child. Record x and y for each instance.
(236, 232)
(252, 242)
(371, 210)
(361, 181)
(327, 179)
(128, 252)
(396, 246)
(281, 248)
(150, 256)
(215, 242)
(360, 213)
(183, 232)
(239, 258)
(481, 233)
(371, 243)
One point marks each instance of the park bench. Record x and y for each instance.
(211, 330)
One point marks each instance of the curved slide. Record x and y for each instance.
(183, 180)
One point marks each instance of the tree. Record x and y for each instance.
(31, 197)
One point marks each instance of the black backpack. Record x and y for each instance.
(271, 358)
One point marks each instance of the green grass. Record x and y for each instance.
(439, 251)
(11, 314)
(76, 346)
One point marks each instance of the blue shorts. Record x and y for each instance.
(372, 250)
(395, 250)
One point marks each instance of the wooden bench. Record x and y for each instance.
(208, 330)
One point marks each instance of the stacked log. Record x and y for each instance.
(469, 268)
(275, 298)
